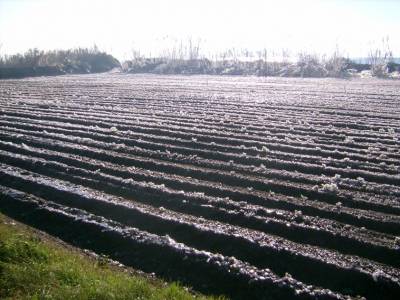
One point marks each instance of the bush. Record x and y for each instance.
(20, 72)
(380, 58)
(37, 63)
(306, 66)
(337, 66)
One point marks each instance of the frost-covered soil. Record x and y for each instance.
(258, 188)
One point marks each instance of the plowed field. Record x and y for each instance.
(256, 188)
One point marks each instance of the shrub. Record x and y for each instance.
(337, 65)
(35, 62)
(380, 58)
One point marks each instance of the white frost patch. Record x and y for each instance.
(330, 188)
(265, 149)
(378, 274)
(361, 181)
(397, 241)
(349, 140)
(25, 146)
(337, 178)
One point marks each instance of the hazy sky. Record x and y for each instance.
(150, 25)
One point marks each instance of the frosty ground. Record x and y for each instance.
(267, 188)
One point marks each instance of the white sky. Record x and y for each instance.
(152, 25)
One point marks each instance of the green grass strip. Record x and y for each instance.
(34, 266)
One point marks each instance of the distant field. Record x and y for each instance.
(257, 188)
